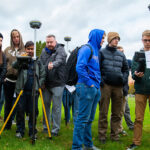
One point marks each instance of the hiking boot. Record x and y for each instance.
(131, 128)
(18, 135)
(91, 148)
(132, 146)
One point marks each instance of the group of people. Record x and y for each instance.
(102, 76)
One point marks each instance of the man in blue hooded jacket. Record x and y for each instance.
(88, 90)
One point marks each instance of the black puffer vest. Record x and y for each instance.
(114, 67)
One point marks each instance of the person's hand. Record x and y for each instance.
(50, 65)
(139, 74)
(92, 85)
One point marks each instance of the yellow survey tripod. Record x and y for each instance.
(33, 94)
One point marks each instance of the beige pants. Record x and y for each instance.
(140, 101)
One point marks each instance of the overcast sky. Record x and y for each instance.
(76, 18)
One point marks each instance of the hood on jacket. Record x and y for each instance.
(95, 38)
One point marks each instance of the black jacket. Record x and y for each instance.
(54, 77)
(3, 68)
(113, 66)
(126, 85)
(141, 85)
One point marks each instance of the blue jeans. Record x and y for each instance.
(88, 99)
(2, 98)
(72, 101)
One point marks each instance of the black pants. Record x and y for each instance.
(26, 101)
(9, 88)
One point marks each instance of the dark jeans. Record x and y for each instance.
(72, 101)
(14, 112)
(9, 88)
(26, 101)
(127, 116)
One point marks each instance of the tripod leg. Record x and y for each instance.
(49, 133)
(11, 111)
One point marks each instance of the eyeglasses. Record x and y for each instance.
(146, 40)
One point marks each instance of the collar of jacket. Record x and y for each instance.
(111, 48)
(48, 51)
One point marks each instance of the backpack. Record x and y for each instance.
(71, 76)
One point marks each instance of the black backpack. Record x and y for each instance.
(71, 76)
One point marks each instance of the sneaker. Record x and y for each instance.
(123, 133)
(131, 128)
(7, 128)
(34, 137)
(91, 148)
(132, 146)
(54, 134)
(45, 130)
(13, 122)
(27, 118)
(18, 135)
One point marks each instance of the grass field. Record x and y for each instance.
(8, 140)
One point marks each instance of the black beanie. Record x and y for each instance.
(1, 36)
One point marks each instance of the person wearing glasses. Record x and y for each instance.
(142, 92)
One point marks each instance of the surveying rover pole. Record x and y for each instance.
(35, 25)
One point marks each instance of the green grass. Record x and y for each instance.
(8, 140)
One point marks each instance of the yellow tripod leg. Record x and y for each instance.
(49, 133)
(11, 111)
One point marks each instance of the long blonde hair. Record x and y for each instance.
(21, 44)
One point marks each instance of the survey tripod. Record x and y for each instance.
(33, 95)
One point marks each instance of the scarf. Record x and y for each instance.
(48, 51)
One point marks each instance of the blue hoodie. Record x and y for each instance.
(88, 70)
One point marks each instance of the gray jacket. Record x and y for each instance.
(54, 77)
